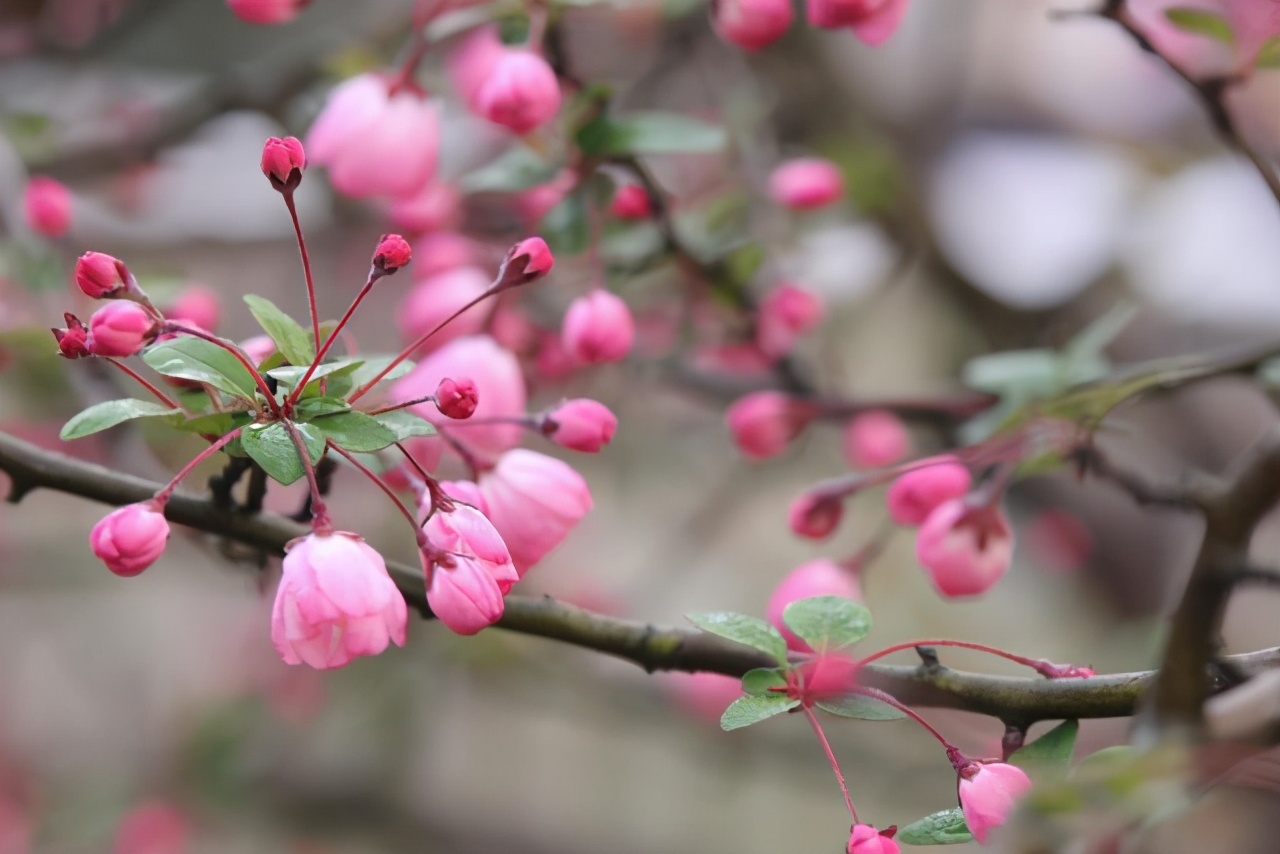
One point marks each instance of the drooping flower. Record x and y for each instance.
(631, 201)
(131, 538)
(457, 397)
(965, 549)
(580, 425)
(815, 515)
(598, 328)
(764, 422)
(821, 577)
(875, 438)
(865, 839)
(915, 493)
(751, 24)
(520, 92)
(468, 569)
(988, 794)
(534, 501)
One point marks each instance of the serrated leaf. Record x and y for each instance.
(270, 446)
(828, 622)
(1201, 22)
(109, 413)
(405, 424)
(1050, 754)
(746, 630)
(761, 679)
(649, 133)
(942, 828)
(355, 431)
(746, 711)
(862, 708)
(201, 361)
(293, 342)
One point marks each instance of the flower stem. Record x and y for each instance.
(890, 700)
(164, 398)
(272, 403)
(162, 497)
(831, 757)
(1045, 668)
(306, 266)
(333, 336)
(320, 522)
(382, 484)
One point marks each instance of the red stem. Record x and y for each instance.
(831, 757)
(306, 267)
(899, 647)
(890, 700)
(333, 336)
(320, 522)
(162, 497)
(164, 398)
(272, 404)
(381, 484)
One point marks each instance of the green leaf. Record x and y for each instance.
(1050, 754)
(749, 631)
(202, 361)
(518, 168)
(649, 133)
(215, 423)
(828, 622)
(405, 424)
(761, 679)
(862, 708)
(1269, 54)
(109, 413)
(343, 384)
(293, 342)
(318, 407)
(565, 226)
(746, 711)
(1201, 22)
(270, 446)
(942, 828)
(291, 375)
(355, 431)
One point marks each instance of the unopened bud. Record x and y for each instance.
(631, 201)
(120, 329)
(283, 160)
(47, 204)
(529, 259)
(71, 341)
(580, 425)
(393, 252)
(814, 515)
(457, 398)
(102, 276)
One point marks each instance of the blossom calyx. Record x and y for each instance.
(72, 340)
(131, 538)
(283, 160)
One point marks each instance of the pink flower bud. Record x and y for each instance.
(434, 207)
(819, 577)
(536, 202)
(823, 676)
(120, 329)
(814, 515)
(751, 24)
(534, 501)
(101, 276)
(763, 422)
(989, 793)
(283, 160)
(437, 297)
(392, 253)
(872, 21)
(631, 201)
(47, 204)
(915, 494)
(153, 827)
(259, 348)
(875, 438)
(72, 340)
(598, 328)
(580, 425)
(457, 398)
(529, 259)
(785, 314)
(196, 306)
(472, 61)
(335, 602)
(468, 569)
(805, 183)
(267, 11)
(964, 549)
(520, 92)
(129, 540)
(865, 839)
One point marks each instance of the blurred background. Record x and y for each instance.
(1011, 177)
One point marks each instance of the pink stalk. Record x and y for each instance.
(831, 757)
(272, 404)
(890, 700)
(320, 522)
(381, 484)
(306, 266)
(899, 647)
(164, 398)
(162, 497)
(374, 275)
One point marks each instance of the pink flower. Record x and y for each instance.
(258, 348)
(120, 329)
(534, 501)
(964, 549)
(875, 438)
(472, 61)
(598, 328)
(130, 539)
(814, 515)
(267, 11)
(536, 202)
(391, 253)
(435, 298)
(915, 494)
(335, 602)
(47, 204)
(434, 207)
(101, 276)
(529, 259)
(457, 398)
(73, 340)
(703, 695)
(520, 92)
(197, 306)
(580, 425)
(442, 251)
(822, 676)
(499, 383)
(1059, 541)
(872, 21)
(282, 162)
(468, 569)
(785, 314)
(763, 422)
(375, 143)
(153, 827)
(819, 577)
(751, 24)
(988, 793)
(631, 201)
(865, 839)
(805, 183)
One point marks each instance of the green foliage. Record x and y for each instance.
(189, 358)
(317, 407)
(1049, 756)
(355, 431)
(746, 711)
(270, 446)
(861, 707)
(109, 413)
(746, 630)
(1202, 22)
(828, 622)
(405, 424)
(1269, 54)
(518, 168)
(565, 227)
(650, 132)
(941, 828)
(291, 375)
(761, 680)
(293, 342)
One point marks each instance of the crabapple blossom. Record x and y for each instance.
(470, 63)
(131, 538)
(258, 348)
(529, 259)
(442, 251)
(283, 160)
(47, 205)
(536, 202)
(391, 253)
(434, 207)
(821, 577)
(598, 328)
(965, 549)
(988, 793)
(102, 276)
(580, 425)
(785, 314)
(197, 306)
(153, 827)
(335, 602)
(865, 839)
(72, 341)
(456, 398)
(763, 422)
(875, 438)
(751, 24)
(468, 569)
(872, 21)
(822, 676)
(120, 329)
(520, 92)
(435, 298)
(915, 493)
(631, 201)
(815, 515)
(375, 142)
(534, 501)
(267, 11)
(805, 183)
